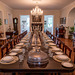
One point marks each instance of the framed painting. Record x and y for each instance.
(63, 20)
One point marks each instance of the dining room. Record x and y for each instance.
(37, 37)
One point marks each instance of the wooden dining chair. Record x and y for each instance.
(67, 51)
(55, 38)
(6, 48)
(58, 43)
(74, 54)
(48, 33)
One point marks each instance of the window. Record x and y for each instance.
(48, 23)
(25, 23)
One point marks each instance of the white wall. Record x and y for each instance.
(55, 13)
(65, 13)
(71, 18)
(5, 11)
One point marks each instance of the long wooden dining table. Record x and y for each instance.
(52, 67)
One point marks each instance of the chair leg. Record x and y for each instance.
(13, 73)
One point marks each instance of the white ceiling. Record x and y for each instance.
(43, 4)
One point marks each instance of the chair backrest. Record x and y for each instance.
(11, 43)
(67, 51)
(47, 32)
(6, 48)
(61, 45)
(54, 39)
(58, 43)
(74, 54)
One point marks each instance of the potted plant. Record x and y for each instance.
(71, 32)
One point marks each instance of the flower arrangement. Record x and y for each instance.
(71, 30)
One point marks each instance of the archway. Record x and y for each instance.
(71, 20)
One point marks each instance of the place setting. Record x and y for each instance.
(9, 59)
(54, 49)
(17, 47)
(52, 44)
(13, 53)
(24, 41)
(61, 58)
(49, 40)
(67, 64)
(20, 44)
(16, 50)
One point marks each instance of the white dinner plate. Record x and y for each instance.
(59, 53)
(7, 59)
(13, 53)
(55, 49)
(52, 44)
(20, 44)
(16, 50)
(67, 64)
(54, 57)
(49, 41)
(62, 57)
(17, 47)
(15, 60)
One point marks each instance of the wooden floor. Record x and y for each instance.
(69, 43)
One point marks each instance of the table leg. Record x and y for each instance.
(13, 73)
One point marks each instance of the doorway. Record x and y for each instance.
(25, 23)
(48, 23)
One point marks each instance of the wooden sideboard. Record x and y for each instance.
(10, 33)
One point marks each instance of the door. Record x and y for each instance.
(48, 23)
(25, 23)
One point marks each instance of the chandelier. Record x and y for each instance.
(36, 11)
